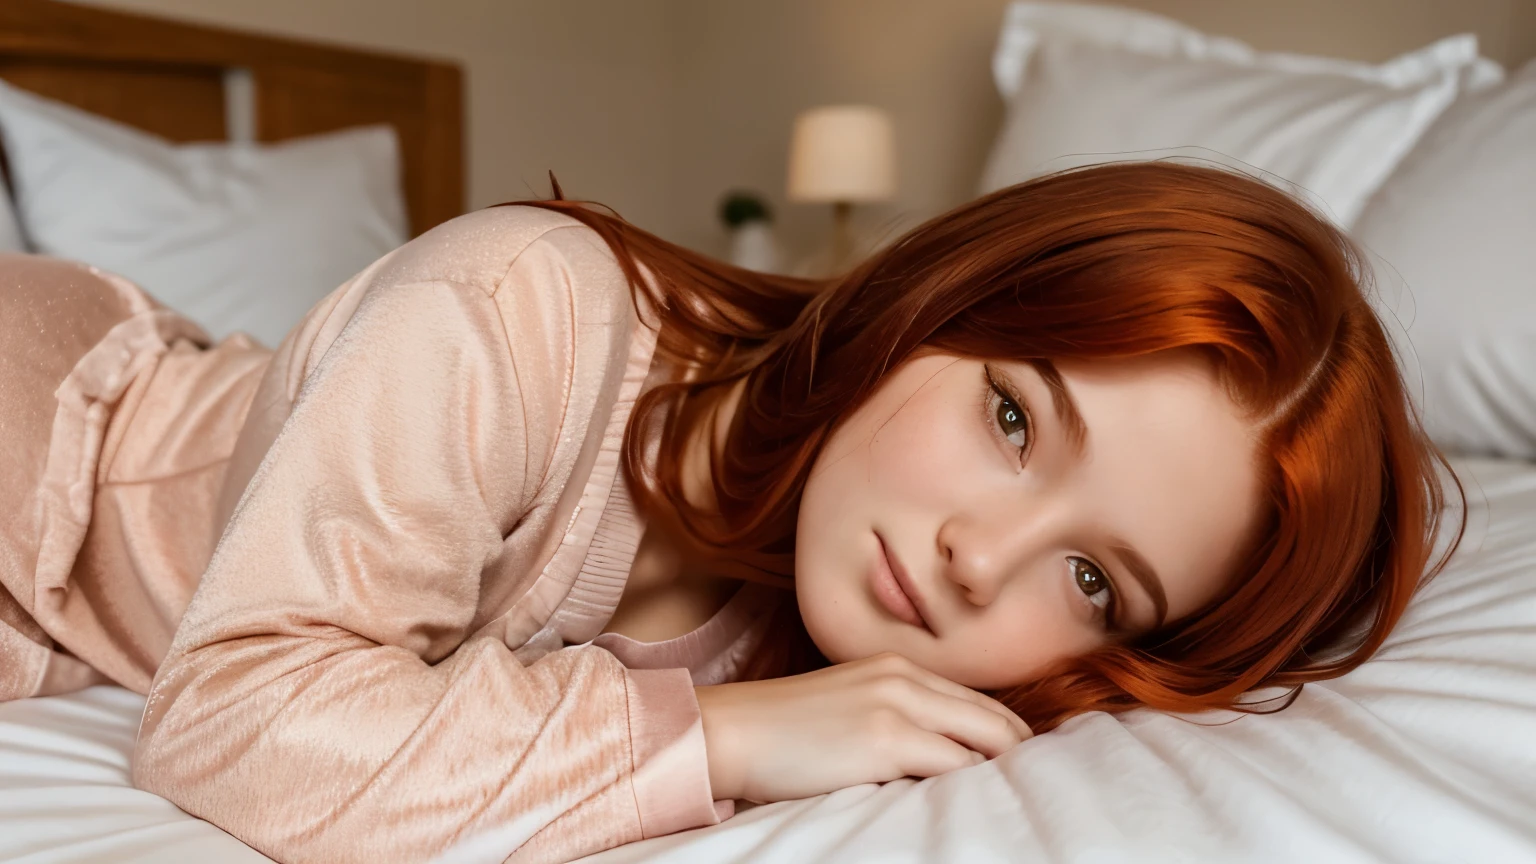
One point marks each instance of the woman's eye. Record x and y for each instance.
(1007, 413)
(1012, 421)
(1090, 580)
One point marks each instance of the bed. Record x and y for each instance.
(1376, 766)
(1425, 754)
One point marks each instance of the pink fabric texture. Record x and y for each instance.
(103, 532)
(395, 647)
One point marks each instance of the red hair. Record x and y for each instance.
(1105, 261)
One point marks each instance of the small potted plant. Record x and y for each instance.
(750, 223)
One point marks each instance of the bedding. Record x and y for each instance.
(10, 229)
(1453, 229)
(1327, 130)
(1424, 754)
(236, 236)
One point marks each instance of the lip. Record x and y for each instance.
(888, 564)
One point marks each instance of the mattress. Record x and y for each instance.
(1425, 754)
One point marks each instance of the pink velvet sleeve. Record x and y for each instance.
(323, 699)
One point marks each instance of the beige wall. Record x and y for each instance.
(657, 107)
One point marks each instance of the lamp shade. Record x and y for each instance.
(842, 153)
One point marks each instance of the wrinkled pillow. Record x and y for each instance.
(1452, 235)
(1088, 83)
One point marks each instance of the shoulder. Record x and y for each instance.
(502, 278)
(481, 249)
(522, 285)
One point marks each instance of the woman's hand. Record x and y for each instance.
(867, 721)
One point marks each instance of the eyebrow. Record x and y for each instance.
(1145, 576)
(1066, 407)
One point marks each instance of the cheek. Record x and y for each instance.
(907, 452)
(1007, 646)
(924, 453)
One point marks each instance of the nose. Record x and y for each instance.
(981, 553)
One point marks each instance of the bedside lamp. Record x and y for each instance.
(842, 155)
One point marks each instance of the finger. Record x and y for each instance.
(939, 683)
(929, 755)
(975, 726)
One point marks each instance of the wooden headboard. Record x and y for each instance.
(173, 80)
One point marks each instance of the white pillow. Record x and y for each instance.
(1091, 84)
(235, 236)
(1457, 223)
(10, 228)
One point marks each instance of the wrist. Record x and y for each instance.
(724, 777)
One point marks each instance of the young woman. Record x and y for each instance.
(544, 535)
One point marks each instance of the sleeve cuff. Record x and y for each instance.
(666, 733)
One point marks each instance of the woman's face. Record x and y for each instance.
(1033, 522)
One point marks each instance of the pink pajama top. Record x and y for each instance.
(422, 528)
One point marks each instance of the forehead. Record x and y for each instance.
(1170, 465)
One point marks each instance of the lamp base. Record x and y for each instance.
(839, 255)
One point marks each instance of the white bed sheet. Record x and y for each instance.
(1425, 754)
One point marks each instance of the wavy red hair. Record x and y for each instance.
(1104, 261)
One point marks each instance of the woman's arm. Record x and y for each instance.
(320, 700)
